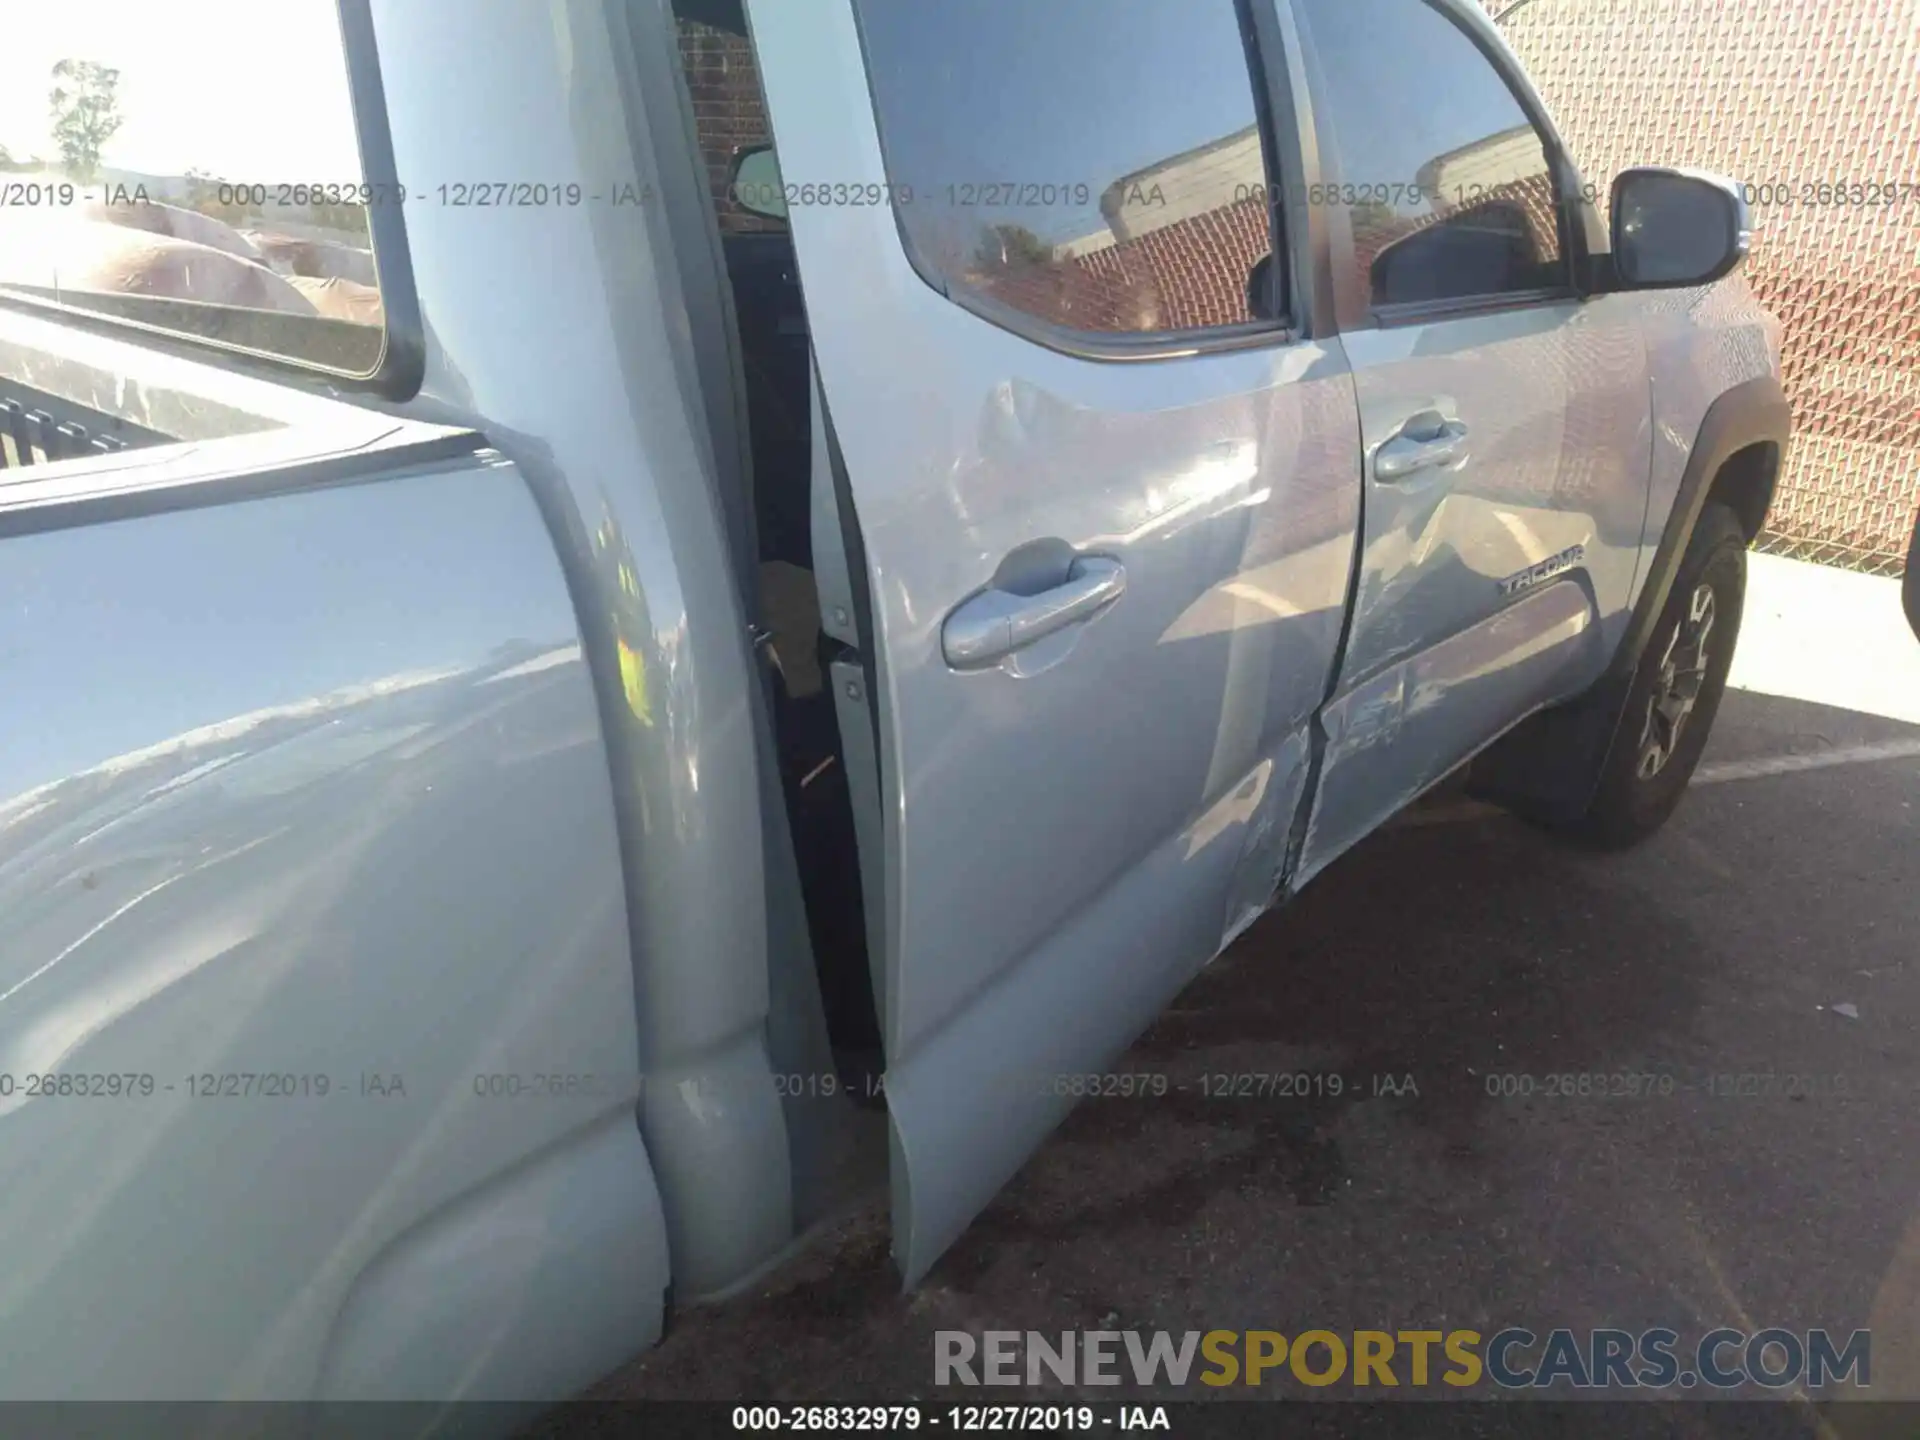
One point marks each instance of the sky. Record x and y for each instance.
(243, 89)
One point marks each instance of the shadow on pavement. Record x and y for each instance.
(1330, 1141)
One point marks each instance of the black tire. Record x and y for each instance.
(1638, 787)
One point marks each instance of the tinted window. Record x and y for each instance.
(1096, 165)
(1445, 179)
(181, 166)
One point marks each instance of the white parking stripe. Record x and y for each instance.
(1813, 760)
(1464, 810)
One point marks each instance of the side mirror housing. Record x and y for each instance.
(1674, 228)
(755, 183)
(1261, 301)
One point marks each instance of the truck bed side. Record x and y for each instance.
(315, 988)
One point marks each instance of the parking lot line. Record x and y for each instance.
(1812, 760)
(1714, 774)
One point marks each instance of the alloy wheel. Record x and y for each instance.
(1683, 670)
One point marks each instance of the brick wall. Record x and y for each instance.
(1187, 275)
(1196, 268)
(727, 112)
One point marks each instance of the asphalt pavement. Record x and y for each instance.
(1443, 970)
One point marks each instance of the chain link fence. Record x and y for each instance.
(1816, 107)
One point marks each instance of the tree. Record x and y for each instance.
(1006, 244)
(85, 101)
(203, 195)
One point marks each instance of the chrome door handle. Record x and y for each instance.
(1423, 443)
(995, 623)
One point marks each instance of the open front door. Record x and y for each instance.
(1107, 500)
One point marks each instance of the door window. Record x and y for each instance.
(1446, 182)
(167, 165)
(1099, 168)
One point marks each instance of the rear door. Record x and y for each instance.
(1107, 498)
(1505, 419)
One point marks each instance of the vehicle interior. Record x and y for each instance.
(775, 365)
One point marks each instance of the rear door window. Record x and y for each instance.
(195, 167)
(1096, 167)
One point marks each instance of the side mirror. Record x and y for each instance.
(1910, 587)
(1674, 228)
(1480, 249)
(755, 184)
(1261, 301)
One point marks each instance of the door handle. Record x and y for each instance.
(1425, 442)
(995, 623)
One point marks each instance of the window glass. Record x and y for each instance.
(1096, 165)
(192, 166)
(1445, 179)
(729, 115)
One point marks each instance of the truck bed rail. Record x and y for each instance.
(39, 428)
(97, 427)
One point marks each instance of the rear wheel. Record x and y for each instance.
(1676, 689)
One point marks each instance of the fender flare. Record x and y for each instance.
(1910, 587)
(1548, 767)
(1754, 412)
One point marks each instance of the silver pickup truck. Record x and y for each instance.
(719, 683)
